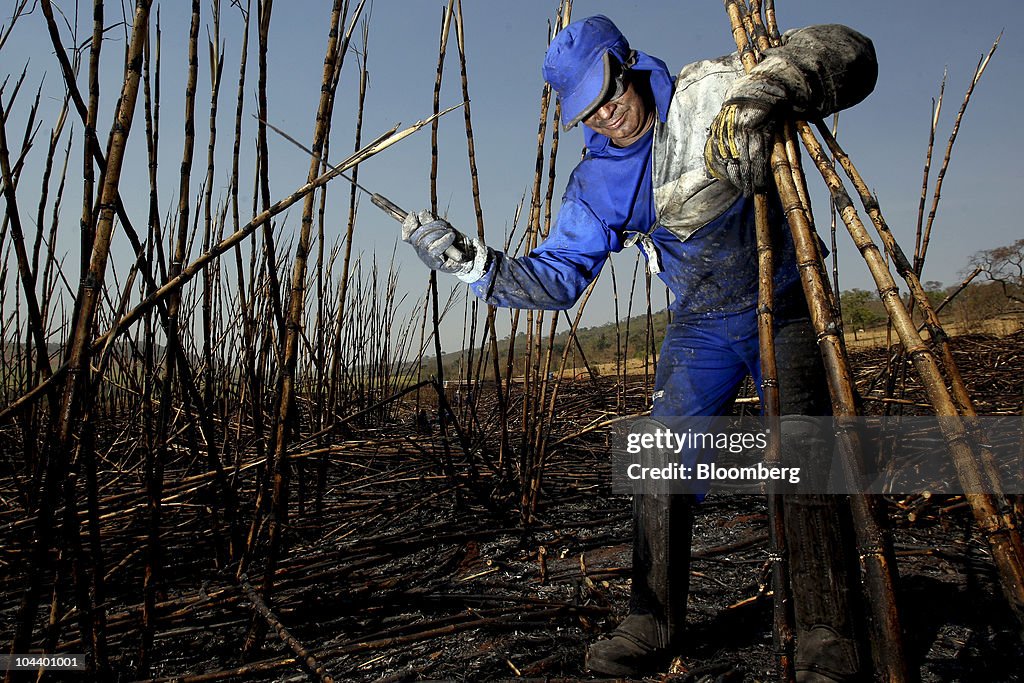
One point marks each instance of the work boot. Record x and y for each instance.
(651, 635)
(822, 579)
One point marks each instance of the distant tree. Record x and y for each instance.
(935, 292)
(980, 302)
(1004, 266)
(859, 309)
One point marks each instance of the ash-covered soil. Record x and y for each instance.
(406, 573)
(461, 595)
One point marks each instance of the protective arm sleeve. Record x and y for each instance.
(823, 68)
(554, 275)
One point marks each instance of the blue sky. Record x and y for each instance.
(886, 135)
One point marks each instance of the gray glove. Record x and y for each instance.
(443, 248)
(739, 145)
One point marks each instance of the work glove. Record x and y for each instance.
(739, 145)
(443, 248)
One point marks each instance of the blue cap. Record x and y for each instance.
(578, 65)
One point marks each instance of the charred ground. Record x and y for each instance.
(407, 572)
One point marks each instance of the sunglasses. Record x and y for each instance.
(616, 89)
(619, 84)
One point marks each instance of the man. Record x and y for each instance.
(672, 164)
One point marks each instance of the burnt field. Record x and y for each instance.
(225, 453)
(402, 559)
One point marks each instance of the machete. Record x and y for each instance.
(379, 200)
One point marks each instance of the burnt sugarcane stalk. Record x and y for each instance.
(435, 318)
(781, 604)
(875, 548)
(489, 328)
(304, 656)
(28, 278)
(920, 253)
(76, 387)
(542, 419)
(285, 417)
(782, 613)
(936, 109)
(334, 376)
(991, 511)
(264, 11)
(532, 401)
(191, 270)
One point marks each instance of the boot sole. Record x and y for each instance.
(609, 668)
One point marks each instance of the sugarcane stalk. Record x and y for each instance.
(977, 475)
(179, 246)
(334, 373)
(188, 272)
(36, 357)
(87, 225)
(303, 654)
(876, 556)
(27, 277)
(251, 385)
(50, 267)
(771, 23)
(264, 10)
(936, 109)
(446, 21)
(541, 424)
(177, 365)
(75, 387)
(51, 153)
(834, 245)
(782, 602)
(320, 347)
(153, 473)
(447, 17)
(982, 63)
(216, 50)
(489, 329)
(534, 319)
(334, 376)
(285, 415)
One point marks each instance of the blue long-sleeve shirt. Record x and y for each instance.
(608, 198)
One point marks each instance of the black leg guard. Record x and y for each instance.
(823, 566)
(650, 636)
(822, 574)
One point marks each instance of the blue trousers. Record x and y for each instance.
(704, 360)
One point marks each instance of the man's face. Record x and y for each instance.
(623, 119)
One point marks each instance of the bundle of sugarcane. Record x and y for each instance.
(974, 466)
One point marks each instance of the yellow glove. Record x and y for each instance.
(739, 145)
